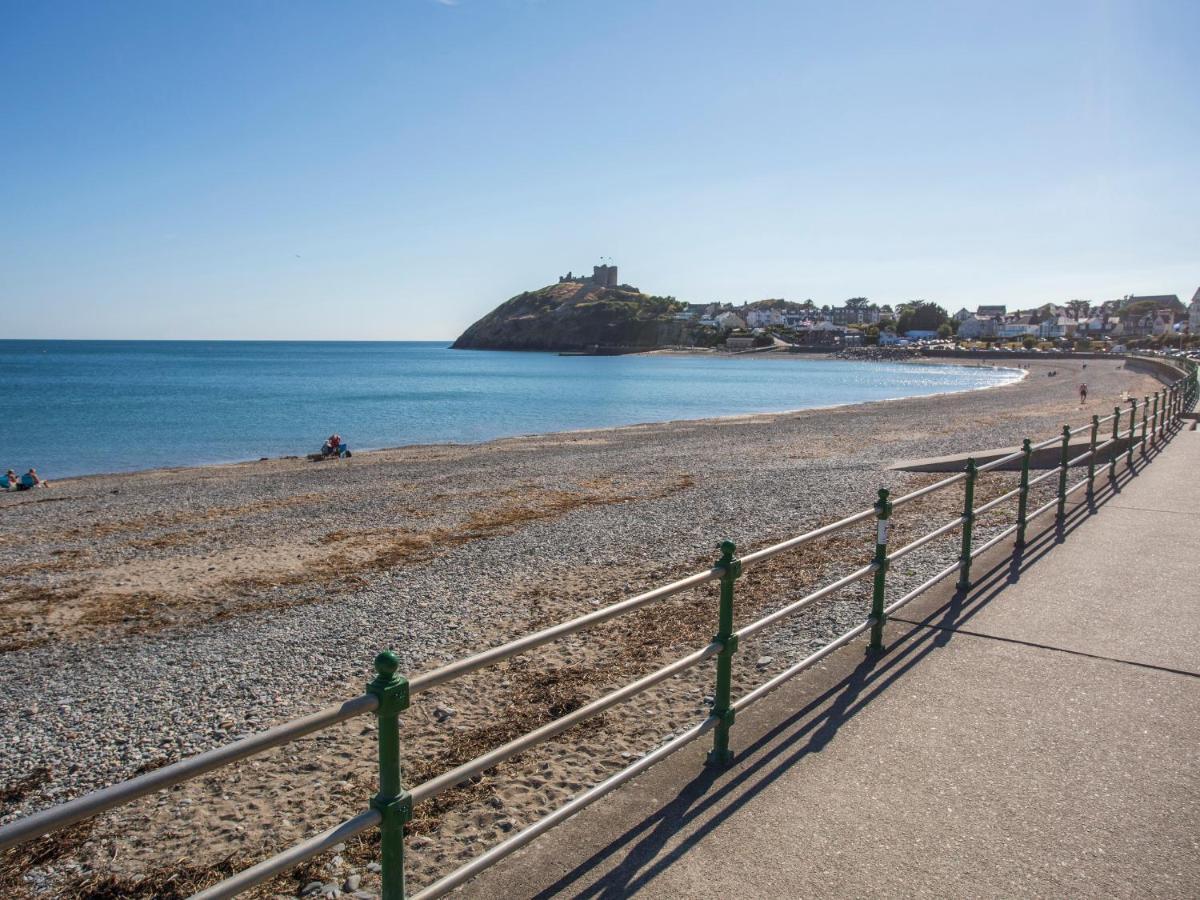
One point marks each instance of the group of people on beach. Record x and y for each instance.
(26, 482)
(334, 446)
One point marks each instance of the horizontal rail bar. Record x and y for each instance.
(925, 539)
(1041, 509)
(991, 504)
(540, 827)
(1049, 442)
(1081, 429)
(986, 467)
(168, 776)
(746, 630)
(1076, 486)
(923, 587)
(759, 555)
(929, 489)
(1080, 458)
(1050, 473)
(290, 857)
(470, 769)
(787, 674)
(1107, 418)
(992, 542)
(450, 671)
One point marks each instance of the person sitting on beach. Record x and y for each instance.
(29, 481)
(9, 481)
(332, 445)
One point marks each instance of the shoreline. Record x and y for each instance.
(369, 451)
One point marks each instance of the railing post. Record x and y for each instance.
(720, 755)
(883, 512)
(1145, 422)
(1023, 494)
(1132, 431)
(1091, 488)
(1062, 473)
(1154, 418)
(964, 558)
(1112, 460)
(393, 802)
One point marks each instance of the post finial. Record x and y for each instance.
(387, 664)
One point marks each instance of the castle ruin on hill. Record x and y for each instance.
(602, 276)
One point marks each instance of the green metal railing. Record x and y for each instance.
(390, 693)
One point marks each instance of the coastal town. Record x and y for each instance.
(1133, 321)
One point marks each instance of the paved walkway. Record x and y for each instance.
(1039, 737)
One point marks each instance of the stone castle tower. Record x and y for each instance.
(604, 276)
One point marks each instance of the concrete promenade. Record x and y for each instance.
(1039, 736)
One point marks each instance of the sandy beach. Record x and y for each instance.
(152, 615)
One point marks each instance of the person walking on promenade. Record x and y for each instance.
(1082, 394)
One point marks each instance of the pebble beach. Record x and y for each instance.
(153, 615)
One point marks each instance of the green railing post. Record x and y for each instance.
(720, 755)
(1132, 431)
(393, 802)
(883, 512)
(1112, 460)
(1145, 423)
(1157, 422)
(1062, 473)
(1023, 494)
(964, 558)
(1091, 488)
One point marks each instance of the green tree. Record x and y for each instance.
(944, 330)
(921, 316)
(1029, 342)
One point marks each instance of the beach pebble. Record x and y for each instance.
(352, 883)
(764, 661)
(311, 888)
(442, 713)
(374, 868)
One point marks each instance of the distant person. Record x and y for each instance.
(1082, 394)
(29, 481)
(9, 481)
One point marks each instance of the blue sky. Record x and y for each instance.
(393, 170)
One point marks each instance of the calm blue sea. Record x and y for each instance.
(82, 407)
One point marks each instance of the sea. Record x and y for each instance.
(89, 407)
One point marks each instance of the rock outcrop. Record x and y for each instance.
(580, 316)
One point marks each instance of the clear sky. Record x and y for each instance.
(393, 170)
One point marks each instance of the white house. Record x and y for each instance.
(977, 328)
(729, 320)
(962, 315)
(1194, 313)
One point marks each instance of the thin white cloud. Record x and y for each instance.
(447, 2)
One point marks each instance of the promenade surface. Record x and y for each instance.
(1039, 736)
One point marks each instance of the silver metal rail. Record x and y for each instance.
(57, 817)
(789, 673)
(920, 542)
(992, 504)
(767, 552)
(923, 587)
(929, 489)
(461, 667)
(754, 627)
(290, 857)
(989, 544)
(541, 826)
(447, 780)
(1012, 457)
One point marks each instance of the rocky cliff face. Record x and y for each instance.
(575, 315)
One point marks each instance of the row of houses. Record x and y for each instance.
(789, 315)
(1112, 320)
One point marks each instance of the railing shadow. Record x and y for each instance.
(697, 809)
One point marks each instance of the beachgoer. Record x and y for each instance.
(1082, 394)
(9, 481)
(29, 481)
